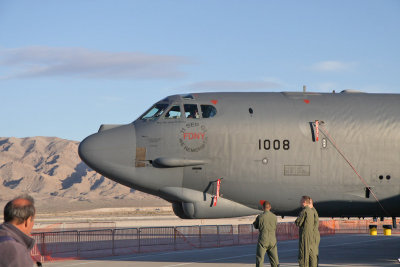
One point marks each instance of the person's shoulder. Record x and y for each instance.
(259, 216)
(305, 209)
(315, 210)
(270, 215)
(14, 254)
(264, 215)
(5, 234)
(308, 211)
(7, 229)
(9, 247)
(3, 228)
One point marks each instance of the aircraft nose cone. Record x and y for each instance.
(104, 150)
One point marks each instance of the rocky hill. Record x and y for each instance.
(49, 169)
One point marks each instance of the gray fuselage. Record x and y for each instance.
(264, 147)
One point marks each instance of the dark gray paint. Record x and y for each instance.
(366, 127)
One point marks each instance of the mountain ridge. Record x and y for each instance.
(50, 170)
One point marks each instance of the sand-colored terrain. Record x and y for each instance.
(128, 217)
(125, 217)
(50, 170)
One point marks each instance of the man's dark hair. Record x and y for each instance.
(19, 212)
(306, 199)
(266, 204)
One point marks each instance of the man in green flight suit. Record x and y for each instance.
(266, 224)
(305, 222)
(317, 238)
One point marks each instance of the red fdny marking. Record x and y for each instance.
(214, 101)
(306, 101)
(191, 136)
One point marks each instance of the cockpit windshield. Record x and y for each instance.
(178, 110)
(156, 111)
(208, 111)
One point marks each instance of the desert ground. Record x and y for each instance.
(127, 217)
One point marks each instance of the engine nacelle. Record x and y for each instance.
(194, 204)
(178, 210)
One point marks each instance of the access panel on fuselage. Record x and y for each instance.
(193, 141)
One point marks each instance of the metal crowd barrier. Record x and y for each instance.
(79, 244)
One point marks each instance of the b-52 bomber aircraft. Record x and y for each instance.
(216, 155)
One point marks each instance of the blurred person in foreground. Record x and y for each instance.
(266, 224)
(15, 240)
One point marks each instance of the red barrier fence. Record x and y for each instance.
(80, 244)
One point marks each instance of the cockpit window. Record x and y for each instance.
(156, 111)
(173, 113)
(208, 111)
(191, 111)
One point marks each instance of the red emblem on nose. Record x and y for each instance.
(214, 101)
(306, 101)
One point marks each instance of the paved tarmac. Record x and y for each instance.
(337, 250)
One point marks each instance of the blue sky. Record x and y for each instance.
(68, 66)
